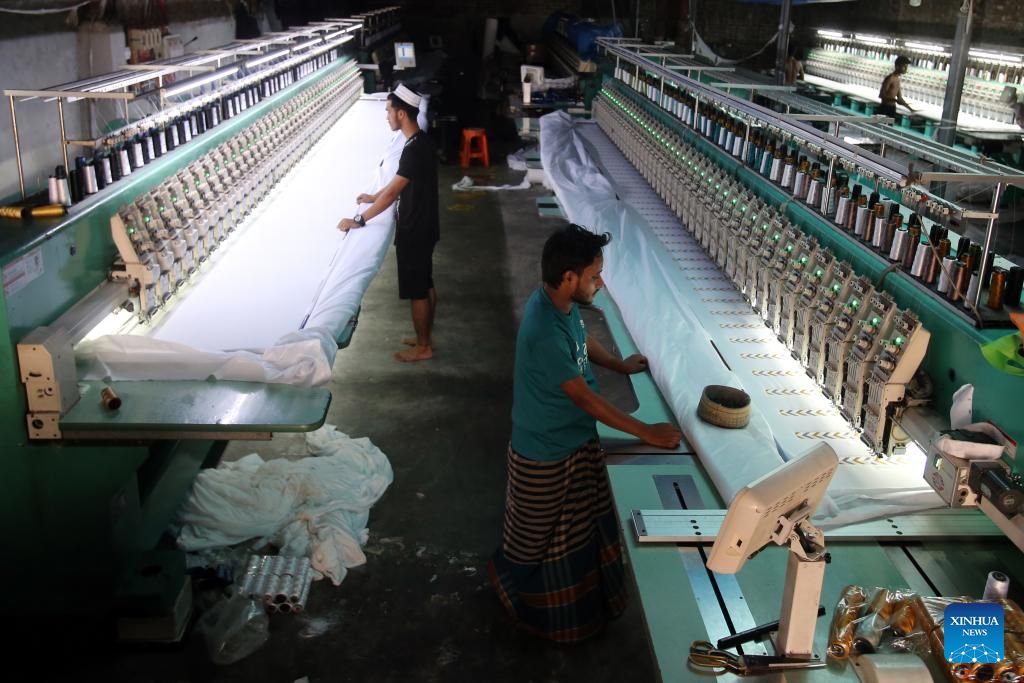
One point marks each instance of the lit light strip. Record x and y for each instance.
(829, 34)
(996, 56)
(269, 57)
(312, 42)
(199, 81)
(928, 47)
(877, 40)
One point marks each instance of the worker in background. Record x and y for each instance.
(891, 91)
(418, 231)
(794, 68)
(559, 570)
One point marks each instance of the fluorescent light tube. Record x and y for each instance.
(269, 57)
(996, 56)
(927, 47)
(877, 40)
(198, 81)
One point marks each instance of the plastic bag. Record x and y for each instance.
(868, 620)
(234, 629)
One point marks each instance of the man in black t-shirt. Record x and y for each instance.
(415, 188)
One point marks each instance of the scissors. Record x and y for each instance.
(704, 655)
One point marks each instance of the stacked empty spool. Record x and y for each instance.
(282, 583)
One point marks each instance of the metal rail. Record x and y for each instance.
(830, 145)
(333, 34)
(702, 526)
(942, 155)
(887, 135)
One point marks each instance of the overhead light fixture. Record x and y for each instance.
(877, 40)
(995, 56)
(269, 57)
(305, 45)
(927, 47)
(829, 34)
(198, 81)
(339, 41)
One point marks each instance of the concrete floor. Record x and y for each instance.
(422, 609)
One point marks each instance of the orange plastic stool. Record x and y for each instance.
(469, 152)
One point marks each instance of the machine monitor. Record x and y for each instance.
(405, 56)
(790, 491)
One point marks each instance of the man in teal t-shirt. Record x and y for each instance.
(551, 349)
(559, 569)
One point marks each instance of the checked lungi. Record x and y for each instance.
(559, 569)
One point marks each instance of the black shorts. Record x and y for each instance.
(886, 110)
(415, 270)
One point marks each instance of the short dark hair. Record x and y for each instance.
(901, 60)
(401, 105)
(570, 248)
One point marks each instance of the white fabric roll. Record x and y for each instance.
(270, 307)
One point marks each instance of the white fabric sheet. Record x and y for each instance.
(315, 507)
(653, 264)
(273, 299)
(964, 121)
(644, 282)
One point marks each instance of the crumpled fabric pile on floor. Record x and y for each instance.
(316, 507)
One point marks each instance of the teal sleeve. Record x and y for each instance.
(555, 359)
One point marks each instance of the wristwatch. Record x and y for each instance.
(358, 218)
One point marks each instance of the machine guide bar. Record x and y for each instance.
(702, 526)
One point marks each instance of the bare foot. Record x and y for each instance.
(409, 341)
(414, 354)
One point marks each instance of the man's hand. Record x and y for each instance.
(366, 199)
(347, 224)
(634, 364)
(662, 435)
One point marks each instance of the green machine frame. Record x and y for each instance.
(682, 601)
(77, 511)
(954, 355)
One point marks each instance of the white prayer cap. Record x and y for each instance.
(408, 96)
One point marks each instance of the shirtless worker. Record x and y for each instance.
(794, 68)
(891, 92)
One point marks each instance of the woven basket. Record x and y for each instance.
(724, 406)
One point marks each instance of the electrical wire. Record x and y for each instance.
(720, 60)
(935, 254)
(969, 305)
(60, 10)
(881, 277)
